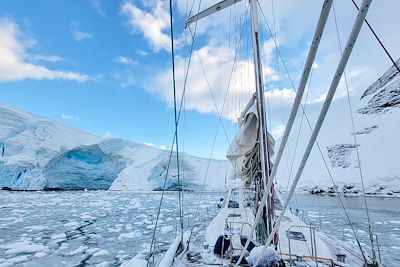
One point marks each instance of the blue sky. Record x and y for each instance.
(104, 66)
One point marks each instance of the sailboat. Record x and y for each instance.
(254, 225)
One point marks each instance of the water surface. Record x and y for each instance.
(105, 228)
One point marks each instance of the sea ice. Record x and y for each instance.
(77, 251)
(103, 264)
(130, 235)
(92, 250)
(58, 236)
(103, 252)
(19, 259)
(40, 255)
(72, 224)
(23, 247)
(36, 228)
(166, 229)
(114, 230)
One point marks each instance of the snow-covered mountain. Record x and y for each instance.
(37, 153)
(377, 128)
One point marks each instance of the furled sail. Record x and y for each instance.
(243, 152)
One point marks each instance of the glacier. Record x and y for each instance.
(39, 154)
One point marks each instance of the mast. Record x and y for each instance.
(259, 96)
(263, 138)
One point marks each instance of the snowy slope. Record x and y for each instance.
(377, 128)
(37, 153)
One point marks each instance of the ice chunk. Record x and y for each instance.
(166, 229)
(40, 255)
(77, 251)
(103, 264)
(130, 235)
(23, 247)
(19, 259)
(58, 236)
(72, 224)
(103, 252)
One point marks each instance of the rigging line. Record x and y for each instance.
(176, 117)
(240, 83)
(341, 201)
(274, 35)
(191, 8)
(379, 40)
(152, 246)
(282, 111)
(186, 9)
(277, 62)
(298, 133)
(355, 136)
(230, 26)
(176, 127)
(302, 118)
(237, 44)
(234, 63)
(212, 95)
(295, 202)
(184, 114)
(204, 181)
(273, 16)
(316, 141)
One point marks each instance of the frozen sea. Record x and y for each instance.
(106, 228)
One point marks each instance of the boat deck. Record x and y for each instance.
(200, 255)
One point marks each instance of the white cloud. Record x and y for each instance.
(13, 55)
(153, 25)
(276, 97)
(69, 117)
(97, 7)
(278, 132)
(125, 60)
(217, 62)
(81, 36)
(319, 99)
(198, 97)
(46, 58)
(142, 53)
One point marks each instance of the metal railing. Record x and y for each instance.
(312, 241)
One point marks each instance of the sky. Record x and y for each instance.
(105, 66)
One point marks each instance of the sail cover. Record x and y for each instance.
(244, 150)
